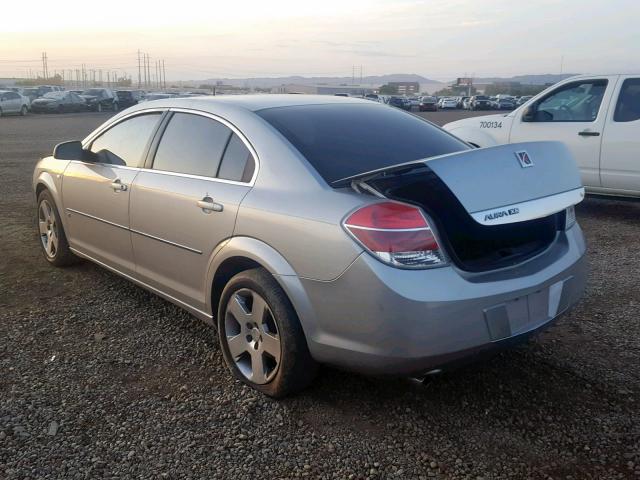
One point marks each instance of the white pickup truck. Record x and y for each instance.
(596, 116)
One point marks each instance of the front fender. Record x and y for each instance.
(48, 173)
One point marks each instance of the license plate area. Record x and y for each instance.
(525, 313)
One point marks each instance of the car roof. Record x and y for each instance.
(254, 102)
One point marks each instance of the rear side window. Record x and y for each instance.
(125, 143)
(345, 140)
(628, 106)
(192, 144)
(237, 163)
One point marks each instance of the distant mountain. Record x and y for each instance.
(374, 80)
(527, 79)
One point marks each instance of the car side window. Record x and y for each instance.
(125, 143)
(628, 105)
(237, 162)
(573, 102)
(192, 144)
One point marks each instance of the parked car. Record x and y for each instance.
(480, 102)
(400, 250)
(523, 99)
(461, 101)
(504, 104)
(36, 92)
(373, 97)
(428, 103)
(128, 98)
(466, 103)
(99, 99)
(448, 102)
(400, 102)
(414, 102)
(59, 102)
(156, 96)
(13, 103)
(597, 117)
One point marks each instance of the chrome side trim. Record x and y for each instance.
(199, 313)
(529, 210)
(169, 242)
(159, 239)
(98, 219)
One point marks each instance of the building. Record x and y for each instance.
(406, 88)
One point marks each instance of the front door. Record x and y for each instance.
(620, 156)
(96, 194)
(186, 205)
(573, 113)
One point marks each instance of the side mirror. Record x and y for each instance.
(69, 151)
(529, 114)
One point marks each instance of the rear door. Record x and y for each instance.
(620, 159)
(185, 204)
(573, 113)
(96, 194)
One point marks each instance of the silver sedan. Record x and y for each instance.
(316, 230)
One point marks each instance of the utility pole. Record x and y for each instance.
(138, 68)
(44, 66)
(164, 76)
(148, 71)
(561, 62)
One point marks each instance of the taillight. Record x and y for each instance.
(396, 233)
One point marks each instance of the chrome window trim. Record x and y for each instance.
(88, 140)
(235, 130)
(96, 133)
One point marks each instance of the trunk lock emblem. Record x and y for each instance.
(524, 159)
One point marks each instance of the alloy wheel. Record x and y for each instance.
(48, 229)
(252, 336)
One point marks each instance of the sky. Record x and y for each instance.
(439, 39)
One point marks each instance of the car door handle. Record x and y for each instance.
(208, 205)
(587, 133)
(118, 186)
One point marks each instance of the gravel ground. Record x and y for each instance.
(100, 379)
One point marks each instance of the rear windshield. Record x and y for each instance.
(345, 140)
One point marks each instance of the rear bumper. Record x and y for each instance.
(382, 320)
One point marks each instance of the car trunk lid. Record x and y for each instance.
(494, 207)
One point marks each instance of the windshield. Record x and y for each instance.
(341, 141)
(55, 95)
(94, 92)
(481, 97)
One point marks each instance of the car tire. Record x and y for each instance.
(23, 110)
(260, 335)
(60, 109)
(53, 239)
